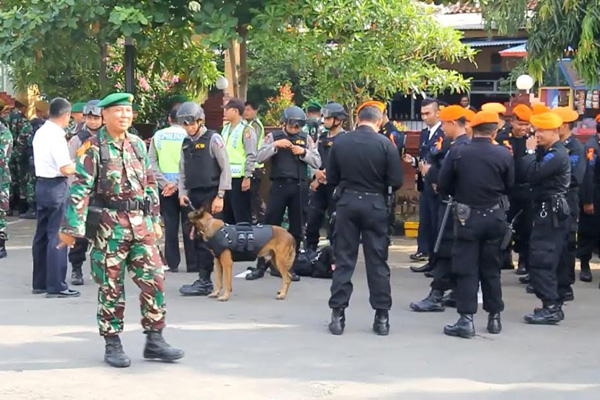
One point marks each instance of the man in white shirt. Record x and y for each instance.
(52, 166)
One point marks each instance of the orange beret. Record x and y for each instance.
(371, 103)
(485, 117)
(539, 108)
(469, 115)
(452, 113)
(546, 121)
(598, 118)
(566, 113)
(495, 107)
(522, 112)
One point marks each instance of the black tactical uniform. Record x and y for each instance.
(363, 177)
(549, 172)
(588, 234)
(477, 175)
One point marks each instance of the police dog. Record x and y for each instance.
(280, 249)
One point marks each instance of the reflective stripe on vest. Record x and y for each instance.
(235, 148)
(167, 143)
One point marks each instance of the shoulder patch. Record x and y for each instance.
(247, 132)
(548, 157)
(590, 154)
(218, 140)
(84, 147)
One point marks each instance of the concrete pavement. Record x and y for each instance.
(254, 347)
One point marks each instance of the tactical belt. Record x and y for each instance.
(363, 193)
(126, 205)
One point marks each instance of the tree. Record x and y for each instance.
(354, 50)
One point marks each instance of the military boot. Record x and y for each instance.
(258, 272)
(449, 300)
(158, 349)
(547, 315)
(200, 287)
(338, 321)
(294, 277)
(433, 302)
(381, 323)
(521, 269)
(3, 253)
(463, 328)
(494, 324)
(77, 276)
(114, 354)
(586, 273)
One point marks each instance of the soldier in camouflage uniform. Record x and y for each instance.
(5, 150)
(114, 168)
(76, 120)
(18, 125)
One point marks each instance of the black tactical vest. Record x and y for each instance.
(201, 170)
(84, 135)
(325, 144)
(286, 165)
(244, 240)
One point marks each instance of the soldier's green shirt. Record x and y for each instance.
(127, 178)
(19, 126)
(6, 144)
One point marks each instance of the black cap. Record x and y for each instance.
(236, 103)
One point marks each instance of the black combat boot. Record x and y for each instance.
(76, 276)
(114, 354)
(530, 289)
(586, 273)
(547, 315)
(525, 279)
(259, 271)
(449, 300)
(3, 253)
(521, 269)
(433, 302)
(424, 268)
(158, 349)
(294, 277)
(338, 321)
(463, 328)
(494, 324)
(200, 287)
(381, 323)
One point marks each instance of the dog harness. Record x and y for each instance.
(244, 240)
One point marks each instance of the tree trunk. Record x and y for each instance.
(103, 74)
(243, 76)
(234, 68)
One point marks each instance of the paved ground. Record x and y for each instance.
(254, 347)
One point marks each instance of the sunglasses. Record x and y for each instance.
(296, 123)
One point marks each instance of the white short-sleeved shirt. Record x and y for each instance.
(50, 150)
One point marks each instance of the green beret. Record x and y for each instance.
(314, 105)
(116, 99)
(176, 98)
(78, 107)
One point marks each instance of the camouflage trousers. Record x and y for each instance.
(4, 206)
(14, 174)
(27, 187)
(110, 258)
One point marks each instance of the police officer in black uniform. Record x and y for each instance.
(549, 172)
(363, 164)
(478, 175)
(292, 153)
(578, 165)
(204, 176)
(588, 234)
(321, 201)
(453, 123)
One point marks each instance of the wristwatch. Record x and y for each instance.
(221, 195)
(530, 151)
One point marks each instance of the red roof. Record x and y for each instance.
(472, 7)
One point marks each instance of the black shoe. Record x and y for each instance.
(548, 315)
(28, 215)
(255, 273)
(463, 328)
(3, 253)
(158, 349)
(525, 279)
(432, 303)
(428, 274)
(494, 325)
(423, 268)
(200, 287)
(521, 269)
(38, 291)
(173, 270)
(338, 321)
(77, 277)
(114, 354)
(381, 323)
(569, 296)
(64, 294)
(586, 273)
(419, 256)
(449, 300)
(529, 289)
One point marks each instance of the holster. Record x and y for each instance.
(92, 222)
(462, 212)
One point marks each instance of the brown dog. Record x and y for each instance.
(280, 249)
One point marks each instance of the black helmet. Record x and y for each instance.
(294, 115)
(335, 110)
(189, 112)
(91, 108)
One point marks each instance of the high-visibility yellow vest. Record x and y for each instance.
(234, 144)
(167, 143)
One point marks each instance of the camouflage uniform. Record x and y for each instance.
(6, 144)
(18, 124)
(24, 147)
(126, 239)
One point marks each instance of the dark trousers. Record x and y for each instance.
(291, 196)
(546, 247)
(238, 204)
(49, 263)
(428, 220)
(442, 260)
(520, 201)
(570, 253)
(320, 203)
(198, 257)
(359, 216)
(172, 213)
(258, 204)
(77, 253)
(476, 257)
(588, 235)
